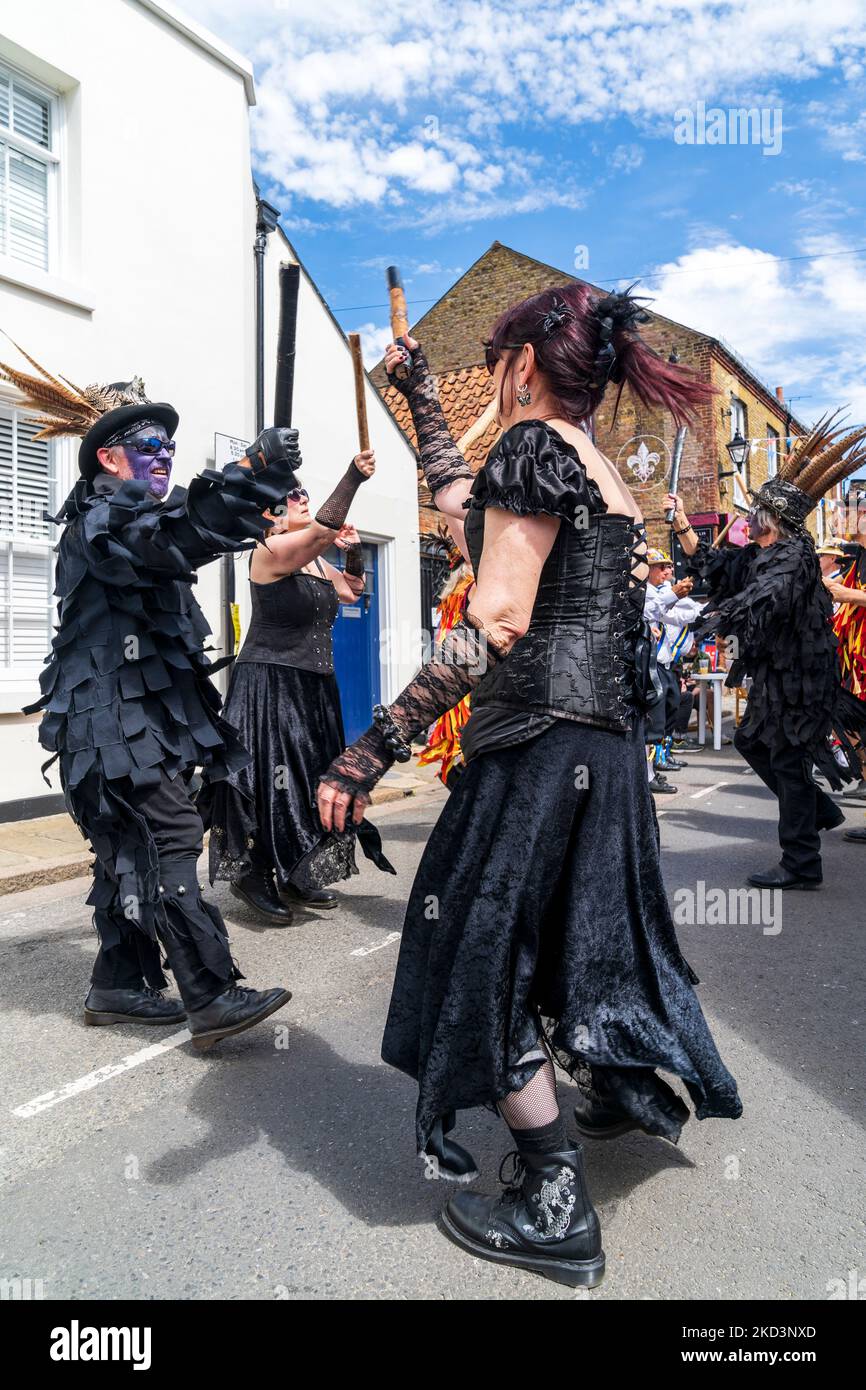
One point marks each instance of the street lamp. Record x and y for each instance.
(738, 452)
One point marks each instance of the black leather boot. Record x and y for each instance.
(783, 878)
(444, 1157)
(308, 897)
(144, 1005)
(233, 1011)
(544, 1221)
(259, 892)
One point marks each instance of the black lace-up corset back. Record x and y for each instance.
(577, 660)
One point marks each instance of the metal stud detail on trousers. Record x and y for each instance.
(180, 890)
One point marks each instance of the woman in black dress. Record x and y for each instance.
(283, 700)
(538, 926)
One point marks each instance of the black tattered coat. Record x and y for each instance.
(127, 688)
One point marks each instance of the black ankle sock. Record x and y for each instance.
(547, 1139)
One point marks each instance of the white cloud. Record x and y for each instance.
(798, 324)
(361, 101)
(374, 340)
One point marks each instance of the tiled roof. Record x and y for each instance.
(464, 396)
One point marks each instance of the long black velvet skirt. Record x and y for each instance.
(539, 912)
(265, 816)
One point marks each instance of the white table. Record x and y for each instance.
(718, 679)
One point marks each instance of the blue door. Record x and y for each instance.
(356, 648)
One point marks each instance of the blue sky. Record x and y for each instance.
(420, 134)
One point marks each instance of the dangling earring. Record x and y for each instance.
(524, 395)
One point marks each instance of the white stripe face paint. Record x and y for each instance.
(96, 1078)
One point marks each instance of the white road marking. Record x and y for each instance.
(705, 791)
(368, 950)
(96, 1078)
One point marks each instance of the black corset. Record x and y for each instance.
(577, 660)
(292, 623)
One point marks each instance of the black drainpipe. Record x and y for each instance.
(267, 218)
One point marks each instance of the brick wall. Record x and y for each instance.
(452, 333)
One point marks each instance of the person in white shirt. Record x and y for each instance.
(669, 610)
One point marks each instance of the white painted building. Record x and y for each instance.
(127, 221)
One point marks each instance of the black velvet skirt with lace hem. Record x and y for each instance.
(539, 910)
(265, 815)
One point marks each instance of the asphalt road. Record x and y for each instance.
(281, 1165)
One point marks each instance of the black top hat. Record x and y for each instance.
(123, 418)
(786, 501)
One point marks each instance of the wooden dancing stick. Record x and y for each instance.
(476, 430)
(360, 391)
(724, 531)
(399, 315)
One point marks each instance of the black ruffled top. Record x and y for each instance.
(576, 661)
(532, 471)
(126, 688)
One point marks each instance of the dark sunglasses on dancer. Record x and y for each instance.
(297, 494)
(493, 352)
(152, 445)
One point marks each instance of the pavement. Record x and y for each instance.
(281, 1165)
(50, 849)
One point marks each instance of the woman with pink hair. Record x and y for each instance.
(538, 929)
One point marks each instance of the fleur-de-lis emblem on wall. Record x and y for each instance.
(642, 458)
(643, 463)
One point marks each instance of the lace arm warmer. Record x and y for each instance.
(335, 509)
(353, 562)
(441, 460)
(459, 664)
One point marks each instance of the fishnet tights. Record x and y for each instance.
(535, 1104)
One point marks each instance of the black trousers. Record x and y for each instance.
(661, 718)
(803, 806)
(688, 703)
(192, 932)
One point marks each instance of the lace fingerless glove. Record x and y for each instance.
(353, 560)
(462, 660)
(441, 460)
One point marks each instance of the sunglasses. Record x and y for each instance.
(297, 494)
(151, 446)
(493, 353)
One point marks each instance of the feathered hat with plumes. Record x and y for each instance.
(100, 415)
(818, 461)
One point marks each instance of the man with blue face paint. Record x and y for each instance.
(130, 709)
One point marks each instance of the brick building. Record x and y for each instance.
(641, 440)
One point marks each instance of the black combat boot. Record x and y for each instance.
(259, 892)
(233, 1011)
(544, 1221)
(308, 897)
(143, 1005)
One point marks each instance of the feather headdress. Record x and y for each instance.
(62, 408)
(824, 456)
(818, 461)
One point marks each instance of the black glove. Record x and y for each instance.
(275, 445)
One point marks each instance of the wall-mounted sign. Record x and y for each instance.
(228, 449)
